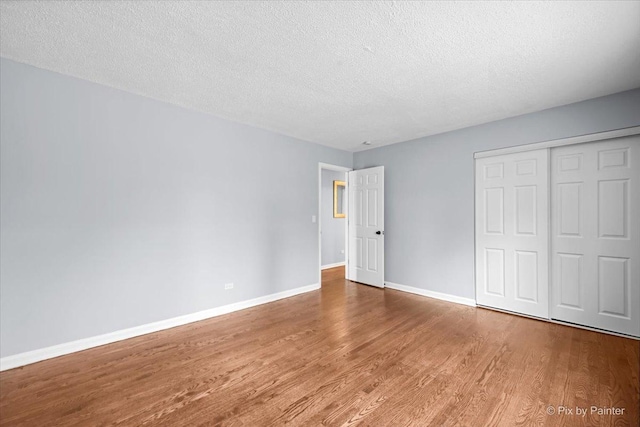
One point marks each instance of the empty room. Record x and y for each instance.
(308, 213)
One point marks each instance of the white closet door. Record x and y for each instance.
(512, 243)
(595, 234)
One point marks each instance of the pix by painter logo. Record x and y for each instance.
(580, 411)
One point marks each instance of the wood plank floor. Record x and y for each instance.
(345, 355)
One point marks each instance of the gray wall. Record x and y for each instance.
(332, 228)
(429, 189)
(118, 210)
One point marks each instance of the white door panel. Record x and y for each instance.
(512, 232)
(595, 234)
(366, 226)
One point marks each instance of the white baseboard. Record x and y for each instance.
(431, 294)
(336, 264)
(33, 356)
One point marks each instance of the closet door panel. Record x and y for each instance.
(595, 234)
(512, 232)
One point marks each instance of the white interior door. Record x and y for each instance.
(365, 217)
(512, 232)
(596, 234)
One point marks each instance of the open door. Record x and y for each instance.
(365, 263)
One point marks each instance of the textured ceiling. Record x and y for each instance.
(338, 73)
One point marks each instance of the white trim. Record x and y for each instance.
(618, 133)
(431, 294)
(334, 265)
(346, 223)
(549, 236)
(334, 167)
(33, 356)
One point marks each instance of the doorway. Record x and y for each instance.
(332, 220)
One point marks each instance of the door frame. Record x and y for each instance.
(335, 168)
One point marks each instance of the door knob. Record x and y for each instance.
(378, 232)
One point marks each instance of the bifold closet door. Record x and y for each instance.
(595, 234)
(512, 234)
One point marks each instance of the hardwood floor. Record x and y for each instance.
(347, 354)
